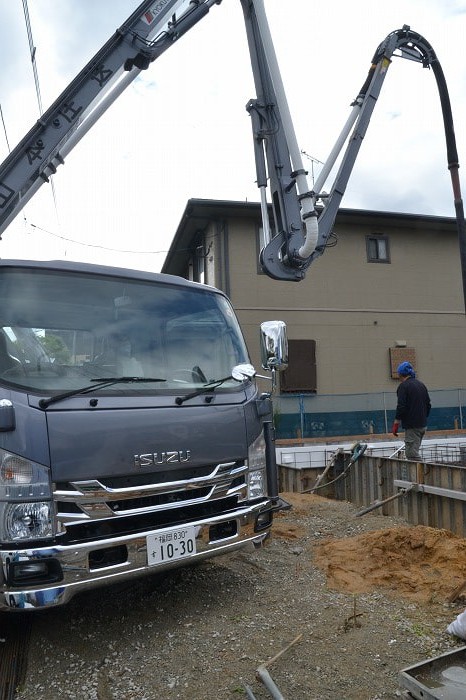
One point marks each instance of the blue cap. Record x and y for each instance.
(406, 370)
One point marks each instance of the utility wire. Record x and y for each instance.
(4, 130)
(93, 245)
(32, 51)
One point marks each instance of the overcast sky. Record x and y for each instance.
(181, 129)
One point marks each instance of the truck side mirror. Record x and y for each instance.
(274, 345)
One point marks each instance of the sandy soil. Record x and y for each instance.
(419, 563)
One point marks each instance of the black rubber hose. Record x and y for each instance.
(453, 166)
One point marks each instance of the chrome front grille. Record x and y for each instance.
(94, 499)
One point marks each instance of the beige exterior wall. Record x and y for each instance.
(356, 311)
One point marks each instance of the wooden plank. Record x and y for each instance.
(372, 479)
(392, 469)
(413, 497)
(458, 514)
(434, 514)
(440, 477)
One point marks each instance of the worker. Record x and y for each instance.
(412, 409)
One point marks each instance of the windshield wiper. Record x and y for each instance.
(100, 383)
(206, 389)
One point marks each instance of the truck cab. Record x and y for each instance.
(131, 429)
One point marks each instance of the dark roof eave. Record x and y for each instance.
(199, 212)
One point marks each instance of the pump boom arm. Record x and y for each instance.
(300, 231)
(284, 247)
(145, 35)
(411, 46)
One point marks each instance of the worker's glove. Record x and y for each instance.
(395, 429)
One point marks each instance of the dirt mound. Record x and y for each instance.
(420, 563)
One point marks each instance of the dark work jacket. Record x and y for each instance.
(413, 405)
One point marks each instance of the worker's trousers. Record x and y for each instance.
(413, 439)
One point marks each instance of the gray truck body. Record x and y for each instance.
(104, 480)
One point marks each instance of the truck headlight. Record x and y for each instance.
(26, 506)
(256, 462)
(27, 521)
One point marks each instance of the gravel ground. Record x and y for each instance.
(201, 632)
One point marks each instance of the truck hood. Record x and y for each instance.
(86, 446)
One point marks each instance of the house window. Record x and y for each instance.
(301, 374)
(377, 248)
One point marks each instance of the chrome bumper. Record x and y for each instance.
(78, 576)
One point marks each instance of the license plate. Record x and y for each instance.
(172, 544)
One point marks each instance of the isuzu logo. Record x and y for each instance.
(151, 459)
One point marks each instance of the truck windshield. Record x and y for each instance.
(60, 330)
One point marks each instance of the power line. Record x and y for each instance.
(4, 130)
(94, 245)
(32, 51)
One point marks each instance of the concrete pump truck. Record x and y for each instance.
(133, 437)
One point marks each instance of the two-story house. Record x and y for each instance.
(388, 288)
